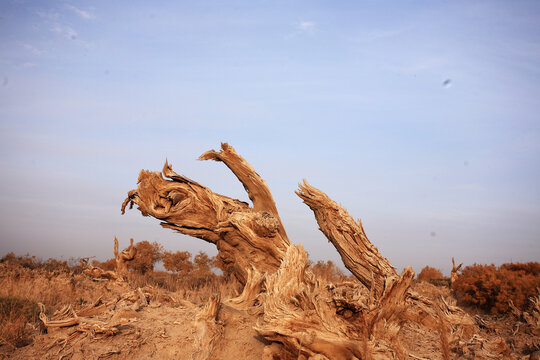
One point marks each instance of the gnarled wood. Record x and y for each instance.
(251, 292)
(348, 237)
(245, 236)
(123, 258)
(309, 317)
(208, 329)
(454, 272)
(255, 186)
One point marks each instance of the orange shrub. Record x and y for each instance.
(429, 273)
(147, 256)
(109, 265)
(327, 270)
(178, 262)
(491, 288)
(532, 268)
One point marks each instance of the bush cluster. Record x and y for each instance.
(51, 265)
(327, 271)
(491, 288)
(429, 273)
(15, 313)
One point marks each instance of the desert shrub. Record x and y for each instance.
(225, 269)
(108, 265)
(76, 265)
(147, 256)
(203, 263)
(429, 273)
(178, 262)
(490, 288)
(532, 268)
(15, 313)
(51, 265)
(327, 271)
(26, 261)
(55, 265)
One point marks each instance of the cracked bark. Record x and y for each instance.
(307, 316)
(245, 236)
(348, 237)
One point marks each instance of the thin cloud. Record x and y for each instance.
(82, 13)
(306, 26)
(48, 15)
(32, 49)
(422, 65)
(28, 65)
(65, 31)
(374, 35)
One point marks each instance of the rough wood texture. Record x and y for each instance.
(255, 186)
(348, 236)
(335, 321)
(306, 317)
(208, 329)
(245, 236)
(123, 258)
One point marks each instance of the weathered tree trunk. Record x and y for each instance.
(306, 315)
(454, 272)
(348, 237)
(245, 236)
(123, 258)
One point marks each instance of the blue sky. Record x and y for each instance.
(421, 118)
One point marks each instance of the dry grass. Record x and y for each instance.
(15, 314)
(193, 288)
(24, 284)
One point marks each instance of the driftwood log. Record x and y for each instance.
(303, 316)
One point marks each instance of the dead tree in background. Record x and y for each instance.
(123, 258)
(454, 272)
(308, 316)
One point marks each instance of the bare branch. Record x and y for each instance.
(358, 253)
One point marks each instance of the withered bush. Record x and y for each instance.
(55, 265)
(429, 273)
(178, 262)
(148, 254)
(26, 261)
(532, 268)
(490, 288)
(108, 265)
(327, 271)
(50, 265)
(15, 314)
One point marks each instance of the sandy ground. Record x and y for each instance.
(162, 325)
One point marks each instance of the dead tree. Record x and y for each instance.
(123, 258)
(245, 236)
(454, 273)
(306, 315)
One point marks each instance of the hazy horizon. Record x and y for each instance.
(422, 119)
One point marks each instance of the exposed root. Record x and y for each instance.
(208, 329)
(62, 318)
(251, 294)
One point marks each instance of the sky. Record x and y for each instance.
(421, 118)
